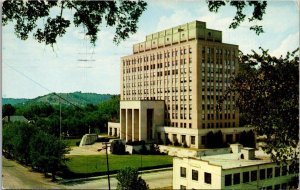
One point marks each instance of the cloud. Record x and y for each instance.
(178, 17)
(290, 43)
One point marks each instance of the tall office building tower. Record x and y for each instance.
(171, 84)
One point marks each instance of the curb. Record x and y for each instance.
(64, 181)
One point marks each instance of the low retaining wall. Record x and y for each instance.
(88, 139)
(135, 148)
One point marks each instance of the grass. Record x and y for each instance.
(71, 142)
(97, 163)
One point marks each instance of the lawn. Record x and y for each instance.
(97, 163)
(71, 142)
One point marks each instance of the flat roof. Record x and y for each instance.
(233, 160)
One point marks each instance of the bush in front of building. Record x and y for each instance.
(117, 147)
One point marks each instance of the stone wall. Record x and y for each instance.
(88, 139)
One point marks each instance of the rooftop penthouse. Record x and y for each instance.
(182, 33)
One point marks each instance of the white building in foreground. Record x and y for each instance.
(238, 169)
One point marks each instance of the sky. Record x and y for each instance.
(31, 69)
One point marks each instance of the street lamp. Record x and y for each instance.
(107, 165)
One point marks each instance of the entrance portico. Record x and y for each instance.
(140, 119)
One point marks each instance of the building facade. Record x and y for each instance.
(188, 68)
(241, 169)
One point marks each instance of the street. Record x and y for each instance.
(16, 176)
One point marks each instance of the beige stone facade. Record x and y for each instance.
(188, 68)
(140, 119)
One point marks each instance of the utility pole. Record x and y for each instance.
(107, 164)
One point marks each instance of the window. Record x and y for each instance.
(277, 171)
(269, 187)
(182, 187)
(245, 177)
(192, 139)
(207, 177)
(195, 175)
(182, 172)
(269, 172)
(284, 186)
(277, 187)
(236, 178)
(284, 170)
(253, 175)
(262, 174)
(228, 180)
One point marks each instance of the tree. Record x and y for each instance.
(258, 11)
(26, 16)
(47, 153)
(128, 179)
(8, 110)
(267, 91)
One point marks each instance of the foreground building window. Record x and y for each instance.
(207, 177)
(182, 172)
(228, 179)
(195, 175)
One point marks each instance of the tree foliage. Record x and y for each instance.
(268, 94)
(8, 110)
(128, 179)
(31, 146)
(259, 8)
(47, 152)
(26, 16)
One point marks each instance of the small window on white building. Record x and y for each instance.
(195, 175)
(207, 178)
(182, 172)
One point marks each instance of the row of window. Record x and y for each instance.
(158, 56)
(235, 179)
(250, 176)
(207, 176)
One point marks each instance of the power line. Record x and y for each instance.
(40, 85)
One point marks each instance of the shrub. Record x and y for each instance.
(117, 147)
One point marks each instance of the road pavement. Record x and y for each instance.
(16, 176)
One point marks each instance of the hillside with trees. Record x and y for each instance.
(77, 98)
(75, 120)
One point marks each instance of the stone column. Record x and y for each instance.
(128, 124)
(123, 124)
(135, 131)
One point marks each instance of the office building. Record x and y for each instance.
(171, 85)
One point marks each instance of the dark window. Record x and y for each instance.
(195, 175)
(277, 171)
(228, 180)
(284, 186)
(192, 139)
(262, 174)
(207, 177)
(253, 175)
(269, 172)
(277, 187)
(245, 177)
(182, 172)
(269, 188)
(182, 187)
(236, 178)
(284, 170)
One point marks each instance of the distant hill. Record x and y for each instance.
(77, 98)
(14, 101)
